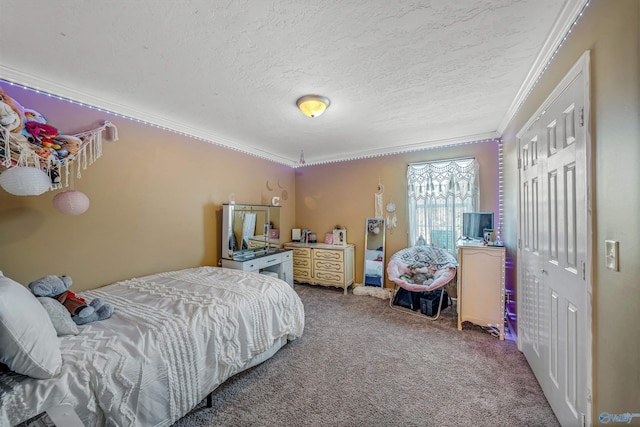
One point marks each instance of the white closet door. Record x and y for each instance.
(554, 307)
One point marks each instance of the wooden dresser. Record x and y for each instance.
(481, 275)
(323, 264)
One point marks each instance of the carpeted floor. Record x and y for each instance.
(360, 363)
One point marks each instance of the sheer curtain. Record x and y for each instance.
(438, 193)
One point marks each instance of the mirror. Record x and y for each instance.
(249, 230)
(374, 252)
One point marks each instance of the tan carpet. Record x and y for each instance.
(360, 363)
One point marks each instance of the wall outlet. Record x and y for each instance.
(611, 254)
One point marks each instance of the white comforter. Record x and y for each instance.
(173, 338)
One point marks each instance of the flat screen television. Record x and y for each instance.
(474, 223)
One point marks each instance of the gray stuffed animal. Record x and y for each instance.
(81, 313)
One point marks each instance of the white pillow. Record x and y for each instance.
(29, 344)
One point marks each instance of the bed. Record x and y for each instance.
(173, 338)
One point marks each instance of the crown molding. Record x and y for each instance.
(406, 148)
(569, 16)
(55, 90)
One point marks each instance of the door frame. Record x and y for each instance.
(582, 66)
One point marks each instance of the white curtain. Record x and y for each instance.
(438, 193)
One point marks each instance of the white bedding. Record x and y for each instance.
(173, 338)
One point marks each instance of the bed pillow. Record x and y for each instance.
(60, 316)
(29, 344)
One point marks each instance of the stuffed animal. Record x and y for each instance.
(11, 114)
(69, 144)
(81, 312)
(418, 276)
(31, 115)
(43, 133)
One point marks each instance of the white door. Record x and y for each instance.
(529, 254)
(554, 248)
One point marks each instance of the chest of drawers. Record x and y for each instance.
(322, 264)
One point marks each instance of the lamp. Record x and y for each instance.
(313, 105)
(71, 202)
(25, 181)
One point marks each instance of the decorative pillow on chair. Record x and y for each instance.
(29, 344)
(60, 316)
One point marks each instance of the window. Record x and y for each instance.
(438, 194)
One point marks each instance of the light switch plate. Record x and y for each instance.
(611, 254)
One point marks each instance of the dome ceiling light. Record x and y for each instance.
(313, 105)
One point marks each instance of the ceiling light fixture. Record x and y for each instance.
(313, 105)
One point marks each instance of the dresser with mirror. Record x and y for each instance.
(251, 241)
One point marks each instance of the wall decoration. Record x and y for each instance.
(392, 219)
(71, 202)
(53, 153)
(274, 195)
(25, 181)
(378, 200)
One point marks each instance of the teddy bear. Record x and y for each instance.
(12, 117)
(418, 276)
(81, 312)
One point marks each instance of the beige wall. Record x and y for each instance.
(156, 204)
(610, 29)
(343, 193)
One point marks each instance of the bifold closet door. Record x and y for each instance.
(553, 313)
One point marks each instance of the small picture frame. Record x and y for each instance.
(328, 238)
(489, 235)
(340, 237)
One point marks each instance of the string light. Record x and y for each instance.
(141, 121)
(500, 188)
(297, 164)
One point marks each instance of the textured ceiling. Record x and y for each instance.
(401, 75)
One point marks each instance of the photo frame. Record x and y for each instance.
(489, 235)
(328, 238)
(340, 237)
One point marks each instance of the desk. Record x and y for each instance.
(280, 262)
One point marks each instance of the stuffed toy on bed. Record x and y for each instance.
(57, 287)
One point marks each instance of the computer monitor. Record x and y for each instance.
(474, 224)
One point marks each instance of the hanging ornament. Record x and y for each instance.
(378, 200)
(25, 181)
(392, 219)
(71, 202)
